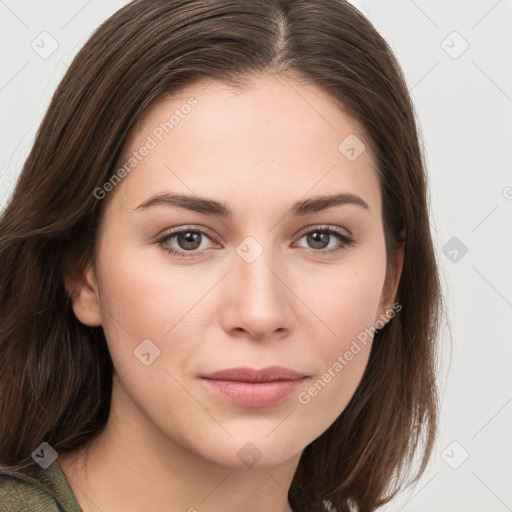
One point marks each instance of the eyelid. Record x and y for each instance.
(345, 239)
(212, 235)
(327, 227)
(177, 253)
(189, 227)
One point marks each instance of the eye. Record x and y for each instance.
(321, 237)
(189, 241)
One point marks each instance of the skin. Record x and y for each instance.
(170, 444)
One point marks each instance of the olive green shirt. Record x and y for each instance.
(49, 492)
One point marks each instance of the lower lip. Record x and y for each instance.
(254, 394)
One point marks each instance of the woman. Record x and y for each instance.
(218, 289)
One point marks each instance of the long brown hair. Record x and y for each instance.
(56, 373)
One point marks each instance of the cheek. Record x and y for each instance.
(142, 301)
(160, 301)
(331, 308)
(347, 307)
(340, 361)
(345, 300)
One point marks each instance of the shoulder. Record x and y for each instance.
(19, 493)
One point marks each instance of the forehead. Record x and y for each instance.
(271, 136)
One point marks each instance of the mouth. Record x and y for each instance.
(254, 388)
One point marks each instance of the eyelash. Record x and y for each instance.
(345, 241)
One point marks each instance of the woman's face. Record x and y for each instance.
(258, 281)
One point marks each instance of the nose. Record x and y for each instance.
(258, 302)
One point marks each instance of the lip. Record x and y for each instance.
(246, 374)
(254, 388)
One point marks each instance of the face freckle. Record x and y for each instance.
(255, 294)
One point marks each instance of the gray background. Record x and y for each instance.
(463, 99)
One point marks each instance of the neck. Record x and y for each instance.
(132, 465)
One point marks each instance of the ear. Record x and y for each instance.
(83, 289)
(392, 280)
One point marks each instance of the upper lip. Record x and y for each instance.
(246, 374)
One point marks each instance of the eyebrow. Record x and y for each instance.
(211, 207)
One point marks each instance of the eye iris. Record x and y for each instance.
(316, 237)
(189, 240)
